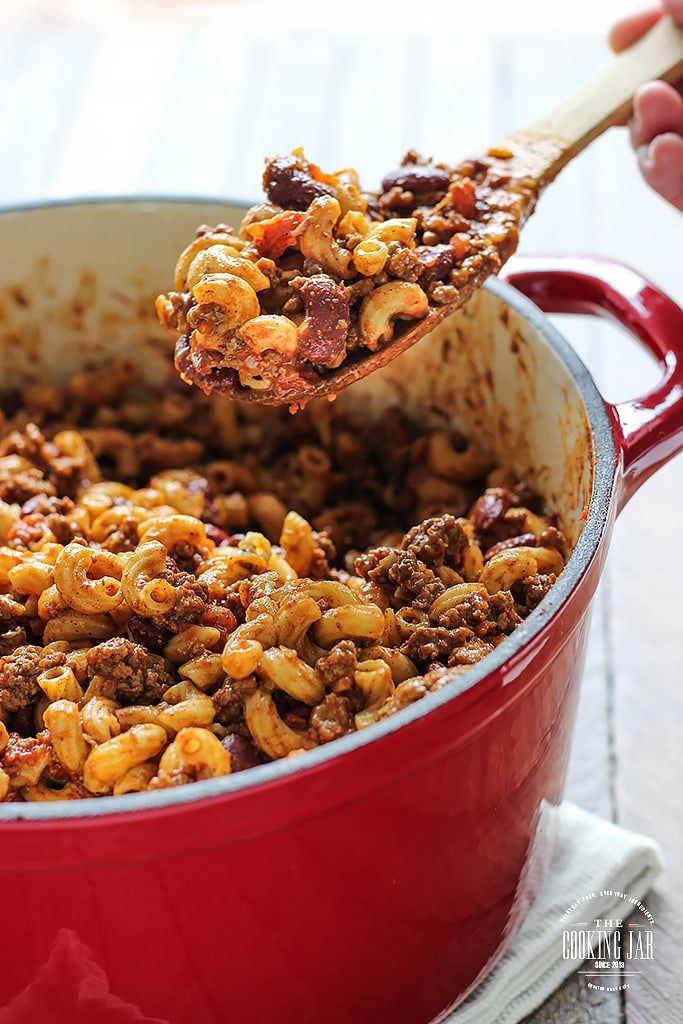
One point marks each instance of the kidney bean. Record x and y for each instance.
(417, 178)
(198, 365)
(297, 718)
(215, 533)
(289, 185)
(21, 721)
(293, 713)
(373, 211)
(437, 262)
(145, 632)
(435, 666)
(243, 753)
(490, 508)
(526, 540)
(221, 618)
(322, 335)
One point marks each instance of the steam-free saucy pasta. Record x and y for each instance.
(321, 271)
(190, 588)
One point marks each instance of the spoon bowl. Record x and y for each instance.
(504, 186)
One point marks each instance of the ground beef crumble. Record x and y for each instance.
(229, 698)
(192, 597)
(64, 473)
(331, 718)
(337, 668)
(536, 587)
(429, 643)
(401, 577)
(438, 541)
(19, 673)
(127, 672)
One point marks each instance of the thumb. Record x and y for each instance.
(674, 8)
(627, 31)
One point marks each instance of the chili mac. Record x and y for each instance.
(191, 587)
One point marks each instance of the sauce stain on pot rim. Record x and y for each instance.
(511, 652)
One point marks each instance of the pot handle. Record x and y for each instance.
(648, 429)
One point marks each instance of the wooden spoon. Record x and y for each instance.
(512, 174)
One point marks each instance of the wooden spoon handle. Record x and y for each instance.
(607, 99)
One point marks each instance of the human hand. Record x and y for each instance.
(657, 122)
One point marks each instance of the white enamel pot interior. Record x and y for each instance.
(77, 287)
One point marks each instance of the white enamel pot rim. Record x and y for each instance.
(510, 653)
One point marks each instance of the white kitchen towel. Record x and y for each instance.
(598, 871)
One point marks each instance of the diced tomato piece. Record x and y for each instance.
(277, 234)
(463, 198)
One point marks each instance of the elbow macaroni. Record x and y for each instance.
(142, 589)
(394, 300)
(80, 576)
(141, 639)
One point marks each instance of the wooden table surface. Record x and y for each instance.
(190, 103)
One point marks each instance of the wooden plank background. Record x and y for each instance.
(172, 101)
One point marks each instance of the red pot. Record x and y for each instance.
(380, 877)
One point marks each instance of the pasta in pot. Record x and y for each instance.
(162, 623)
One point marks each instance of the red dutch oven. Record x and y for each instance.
(380, 877)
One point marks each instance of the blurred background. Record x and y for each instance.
(180, 97)
(114, 96)
(176, 97)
